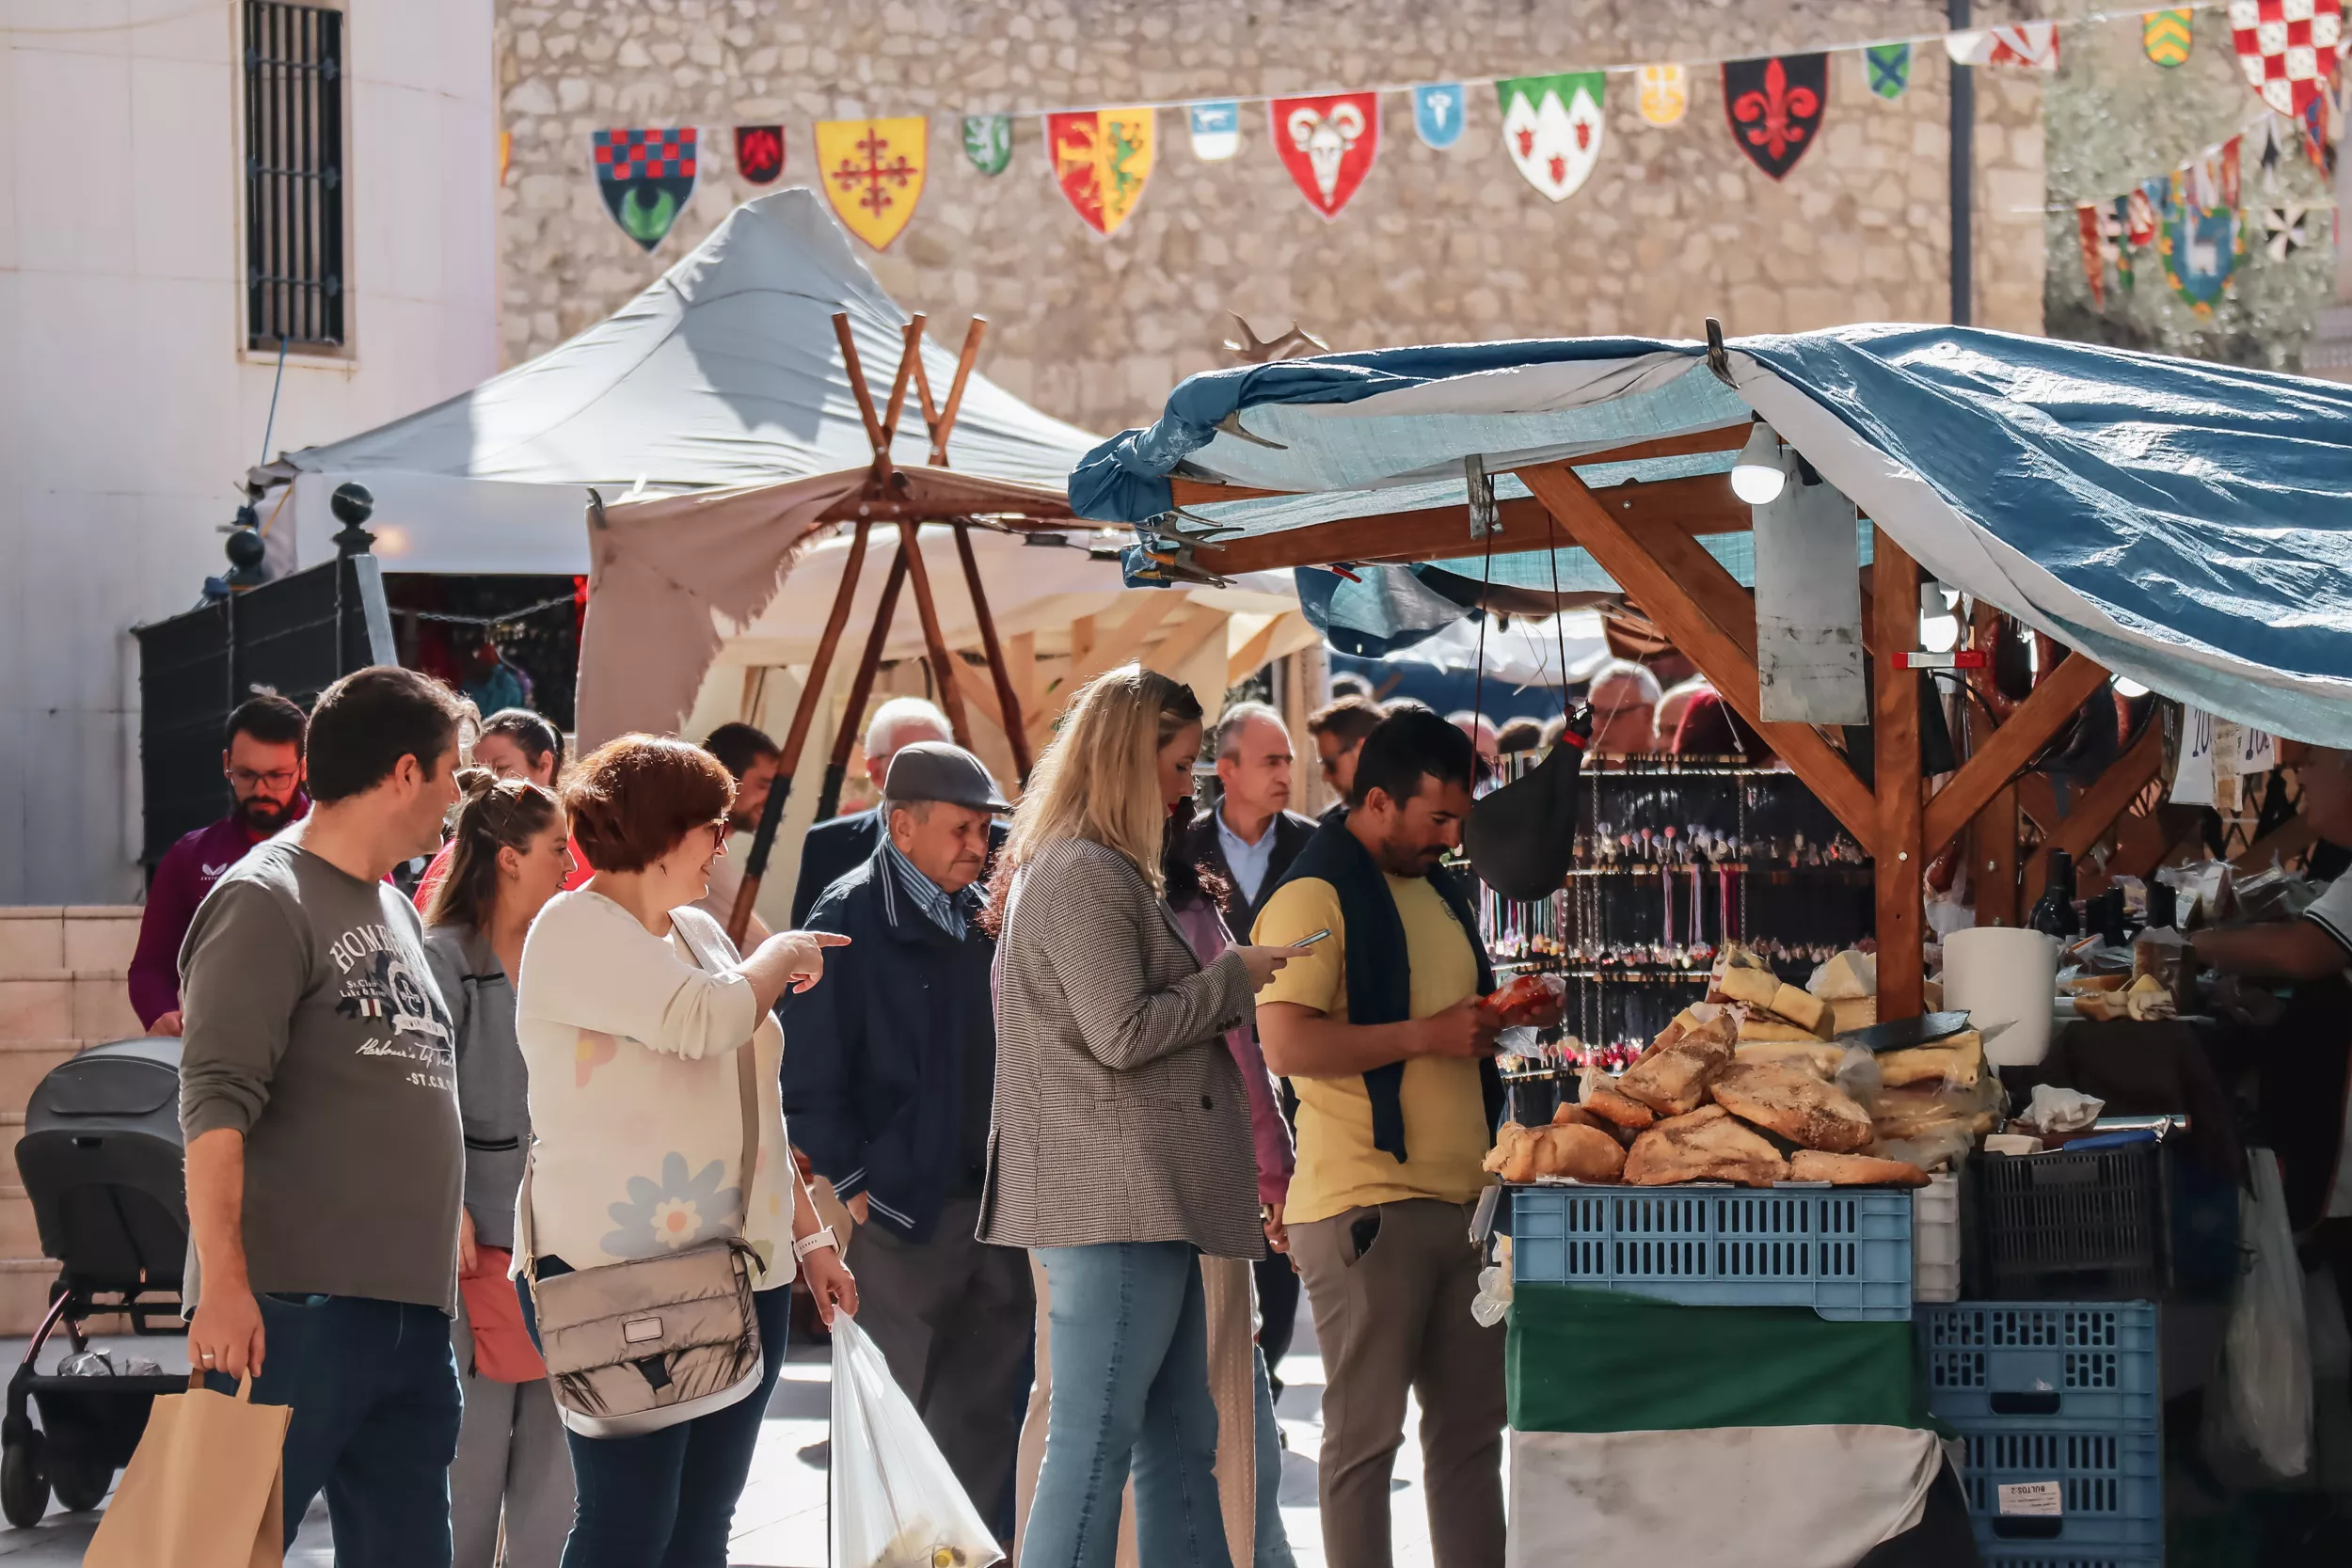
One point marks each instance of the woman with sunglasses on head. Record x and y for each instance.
(513, 744)
(506, 859)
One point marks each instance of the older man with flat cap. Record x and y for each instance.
(888, 1072)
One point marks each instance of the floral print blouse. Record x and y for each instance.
(636, 1124)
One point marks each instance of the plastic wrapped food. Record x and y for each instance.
(1528, 990)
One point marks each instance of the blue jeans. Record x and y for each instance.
(1271, 1542)
(374, 1389)
(667, 1499)
(1130, 1354)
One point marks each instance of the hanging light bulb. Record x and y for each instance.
(1939, 628)
(1757, 474)
(2129, 689)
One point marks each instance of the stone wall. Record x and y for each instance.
(1673, 225)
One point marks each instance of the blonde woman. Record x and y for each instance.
(1120, 1150)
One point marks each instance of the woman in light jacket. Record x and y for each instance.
(1121, 1149)
(632, 1006)
(506, 859)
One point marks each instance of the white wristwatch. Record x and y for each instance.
(822, 1236)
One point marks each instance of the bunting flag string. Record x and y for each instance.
(1555, 128)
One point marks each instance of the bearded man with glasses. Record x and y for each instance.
(261, 758)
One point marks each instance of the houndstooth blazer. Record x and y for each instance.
(1120, 1115)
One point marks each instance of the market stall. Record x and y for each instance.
(1792, 513)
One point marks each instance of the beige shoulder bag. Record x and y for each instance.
(635, 1347)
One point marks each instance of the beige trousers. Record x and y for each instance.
(1231, 1290)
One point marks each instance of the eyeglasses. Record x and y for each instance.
(245, 778)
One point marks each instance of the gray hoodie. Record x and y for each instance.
(491, 1084)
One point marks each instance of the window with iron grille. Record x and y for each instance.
(293, 175)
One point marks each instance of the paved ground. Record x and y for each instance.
(781, 1520)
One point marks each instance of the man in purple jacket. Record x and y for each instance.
(263, 762)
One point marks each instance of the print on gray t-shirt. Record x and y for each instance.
(315, 1028)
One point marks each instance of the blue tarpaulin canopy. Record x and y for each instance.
(2187, 525)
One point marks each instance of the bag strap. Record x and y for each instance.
(746, 1086)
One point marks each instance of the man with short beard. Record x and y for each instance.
(1380, 1030)
(262, 759)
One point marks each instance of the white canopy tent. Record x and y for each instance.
(724, 372)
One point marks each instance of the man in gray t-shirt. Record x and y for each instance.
(324, 1156)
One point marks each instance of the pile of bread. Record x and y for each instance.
(1740, 1088)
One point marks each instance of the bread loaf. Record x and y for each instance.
(1795, 1104)
(1855, 1171)
(1674, 1080)
(1707, 1145)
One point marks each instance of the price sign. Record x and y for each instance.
(2044, 1498)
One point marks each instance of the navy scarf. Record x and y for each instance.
(1379, 966)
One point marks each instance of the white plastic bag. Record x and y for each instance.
(2266, 1354)
(896, 1504)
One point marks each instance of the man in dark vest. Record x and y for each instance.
(1379, 1030)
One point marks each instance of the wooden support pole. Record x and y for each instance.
(788, 759)
(857, 384)
(910, 355)
(1007, 700)
(943, 661)
(1690, 596)
(861, 687)
(945, 425)
(1900, 854)
(1993, 861)
(2028, 729)
(2096, 809)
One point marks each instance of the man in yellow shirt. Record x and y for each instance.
(1379, 1030)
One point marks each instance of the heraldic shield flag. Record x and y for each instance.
(1437, 113)
(1215, 130)
(1889, 66)
(1328, 145)
(988, 142)
(1666, 93)
(1776, 107)
(1551, 127)
(872, 171)
(759, 153)
(2288, 49)
(1101, 159)
(646, 177)
(2165, 37)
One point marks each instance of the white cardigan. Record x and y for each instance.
(636, 1124)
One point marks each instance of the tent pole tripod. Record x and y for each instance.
(861, 687)
(1016, 726)
(804, 712)
(943, 666)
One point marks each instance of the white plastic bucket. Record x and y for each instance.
(2004, 975)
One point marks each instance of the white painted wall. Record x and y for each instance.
(129, 409)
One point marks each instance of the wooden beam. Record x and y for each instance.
(943, 675)
(1204, 492)
(1701, 504)
(861, 687)
(2006, 751)
(1115, 648)
(1008, 702)
(1021, 664)
(1900, 856)
(1710, 618)
(910, 354)
(978, 692)
(2290, 837)
(1992, 862)
(2096, 809)
(1244, 661)
(947, 426)
(856, 369)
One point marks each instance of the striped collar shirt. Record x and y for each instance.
(938, 905)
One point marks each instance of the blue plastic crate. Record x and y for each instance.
(2061, 1361)
(2110, 1481)
(2042, 1556)
(1843, 1251)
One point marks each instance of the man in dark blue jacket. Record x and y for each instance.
(889, 1070)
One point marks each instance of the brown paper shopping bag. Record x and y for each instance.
(205, 1489)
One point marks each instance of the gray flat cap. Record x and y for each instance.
(934, 771)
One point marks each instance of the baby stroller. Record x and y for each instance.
(102, 1162)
